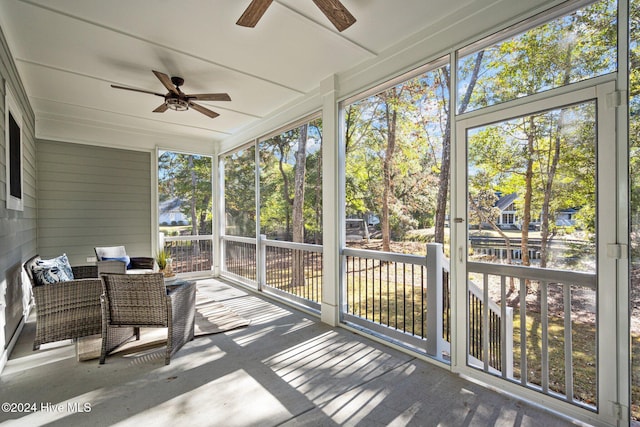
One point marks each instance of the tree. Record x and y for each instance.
(483, 210)
(393, 142)
(290, 188)
(389, 99)
(239, 193)
(298, 278)
(565, 50)
(188, 178)
(445, 163)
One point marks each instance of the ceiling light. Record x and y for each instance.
(177, 104)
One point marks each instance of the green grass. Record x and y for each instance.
(583, 339)
(174, 230)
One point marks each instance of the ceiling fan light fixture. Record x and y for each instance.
(177, 100)
(177, 104)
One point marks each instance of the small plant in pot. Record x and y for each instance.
(164, 263)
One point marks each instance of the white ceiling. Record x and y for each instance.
(69, 52)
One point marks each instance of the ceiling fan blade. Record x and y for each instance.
(203, 110)
(253, 13)
(336, 12)
(161, 109)
(166, 81)
(209, 97)
(137, 90)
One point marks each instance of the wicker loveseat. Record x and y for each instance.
(69, 309)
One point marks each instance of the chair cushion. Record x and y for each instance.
(48, 271)
(110, 252)
(124, 259)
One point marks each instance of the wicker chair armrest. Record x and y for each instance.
(143, 263)
(111, 266)
(67, 310)
(85, 271)
(183, 313)
(181, 294)
(67, 295)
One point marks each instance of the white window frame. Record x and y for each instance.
(12, 109)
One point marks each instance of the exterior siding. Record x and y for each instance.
(92, 196)
(17, 228)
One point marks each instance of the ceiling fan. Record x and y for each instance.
(177, 100)
(333, 9)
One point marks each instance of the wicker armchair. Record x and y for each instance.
(143, 301)
(110, 259)
(67, 310)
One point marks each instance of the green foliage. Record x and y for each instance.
(239, 193)
(419, 106)
(279, 157)
(566, 50)
(187, 177)
(161, 258)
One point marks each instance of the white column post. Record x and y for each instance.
(434, 299)
(217, 187)
(333, 213)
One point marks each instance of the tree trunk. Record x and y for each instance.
(443, 184)
(285, 186)
(445, 167)
(298, 208)
(193, 203)
(528, 192)
(387, 191)
(544, 227)
(318, 204)
(555, 158)
(491, 220)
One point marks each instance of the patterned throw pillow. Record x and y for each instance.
(48, 271)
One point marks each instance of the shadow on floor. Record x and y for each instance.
(285, 369)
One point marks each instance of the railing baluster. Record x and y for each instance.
(395, 298)
(544, 314)
(404, 297)
(388, 294)
(523, 332)
(568, 344)
(486, 356)
(503, 326)
(366, 286)
(360, 283)
(413, 302)
(380, 292)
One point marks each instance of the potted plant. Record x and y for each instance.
(164, 262)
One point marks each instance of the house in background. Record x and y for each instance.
(566, 217)
(170, 213)
(509, 220)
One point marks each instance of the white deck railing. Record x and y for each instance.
(190, 254)
(293, 270)
(407, 299)
(538, 320)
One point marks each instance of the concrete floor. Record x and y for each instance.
(285, 369)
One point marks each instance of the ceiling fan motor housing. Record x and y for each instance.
(176, 103)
